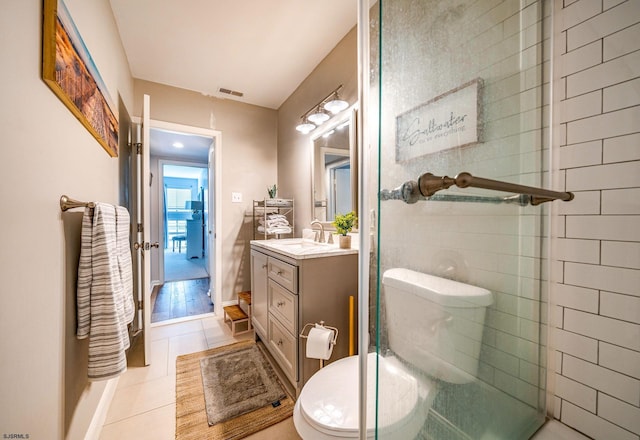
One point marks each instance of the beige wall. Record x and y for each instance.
(46, 153)
(294, 148)
(249, 136)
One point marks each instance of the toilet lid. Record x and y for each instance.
(329, 400)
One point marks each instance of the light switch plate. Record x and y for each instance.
(236, 197)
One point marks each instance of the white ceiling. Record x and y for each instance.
(262, 48)
(196, 148)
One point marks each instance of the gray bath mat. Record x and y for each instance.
(237, 382)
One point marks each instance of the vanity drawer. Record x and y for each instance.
(283, 305)
(284, 273)
(283, 346)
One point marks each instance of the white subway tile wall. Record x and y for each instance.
(597, 292)
(622, 148)
(497, 247)
(595, 250)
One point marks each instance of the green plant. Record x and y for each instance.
(345, 223)
(272, 190)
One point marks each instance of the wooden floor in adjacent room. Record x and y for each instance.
(179, 299)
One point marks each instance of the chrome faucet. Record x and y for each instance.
(321, 237)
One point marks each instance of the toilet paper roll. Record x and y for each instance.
(319, 343)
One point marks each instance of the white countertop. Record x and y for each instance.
(299, 248)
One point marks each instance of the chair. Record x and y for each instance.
(179, 239)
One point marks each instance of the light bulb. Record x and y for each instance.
(336, 105)
(305, 127)
(319, 117)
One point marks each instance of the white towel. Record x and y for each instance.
(105, 289)
(272, 223)
(275, 230)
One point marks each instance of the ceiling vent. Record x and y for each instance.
(231, 92)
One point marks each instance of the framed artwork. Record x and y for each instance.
(69, 70)
(453, 119)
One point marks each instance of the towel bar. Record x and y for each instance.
(67, 203)
(428, 184)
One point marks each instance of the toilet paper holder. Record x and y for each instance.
(333, 341)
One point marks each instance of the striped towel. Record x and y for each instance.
(105, 289)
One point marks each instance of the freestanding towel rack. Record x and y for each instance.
(428, 184)
(67, 203)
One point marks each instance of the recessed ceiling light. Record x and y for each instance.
(178, 145)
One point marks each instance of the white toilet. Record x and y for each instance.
(434, 328)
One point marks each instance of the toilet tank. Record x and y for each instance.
(435, 324)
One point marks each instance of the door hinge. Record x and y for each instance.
(138, 147)
(140, 305)
(140, 228)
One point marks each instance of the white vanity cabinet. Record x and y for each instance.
(291, 289)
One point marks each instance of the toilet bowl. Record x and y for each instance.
(434, 328)
(328, 405)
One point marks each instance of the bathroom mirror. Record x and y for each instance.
(334, 168)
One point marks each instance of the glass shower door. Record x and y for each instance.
(463, 86)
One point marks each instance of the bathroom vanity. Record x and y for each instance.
(295, 282)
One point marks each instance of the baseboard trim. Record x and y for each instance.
(99, 417)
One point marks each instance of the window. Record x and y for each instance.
(176, 214)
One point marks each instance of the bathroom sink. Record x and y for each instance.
(298, 247)
(295, 242)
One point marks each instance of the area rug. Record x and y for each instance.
(191, 412)
(237, 382)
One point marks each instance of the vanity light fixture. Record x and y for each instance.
(305, 126)
(317, 115)
(336, 105)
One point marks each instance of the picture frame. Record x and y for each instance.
(451, 120)
(69, 71)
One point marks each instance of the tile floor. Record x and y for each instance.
(144, 403)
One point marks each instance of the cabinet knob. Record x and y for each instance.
(264, 266)
(280, 272)
(280, 303)
(279, 343)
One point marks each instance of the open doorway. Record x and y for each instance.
(185, 194)
(185, 270)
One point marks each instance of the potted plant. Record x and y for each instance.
(273, 191)
(344, 224)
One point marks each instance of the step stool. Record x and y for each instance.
(236, 315)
